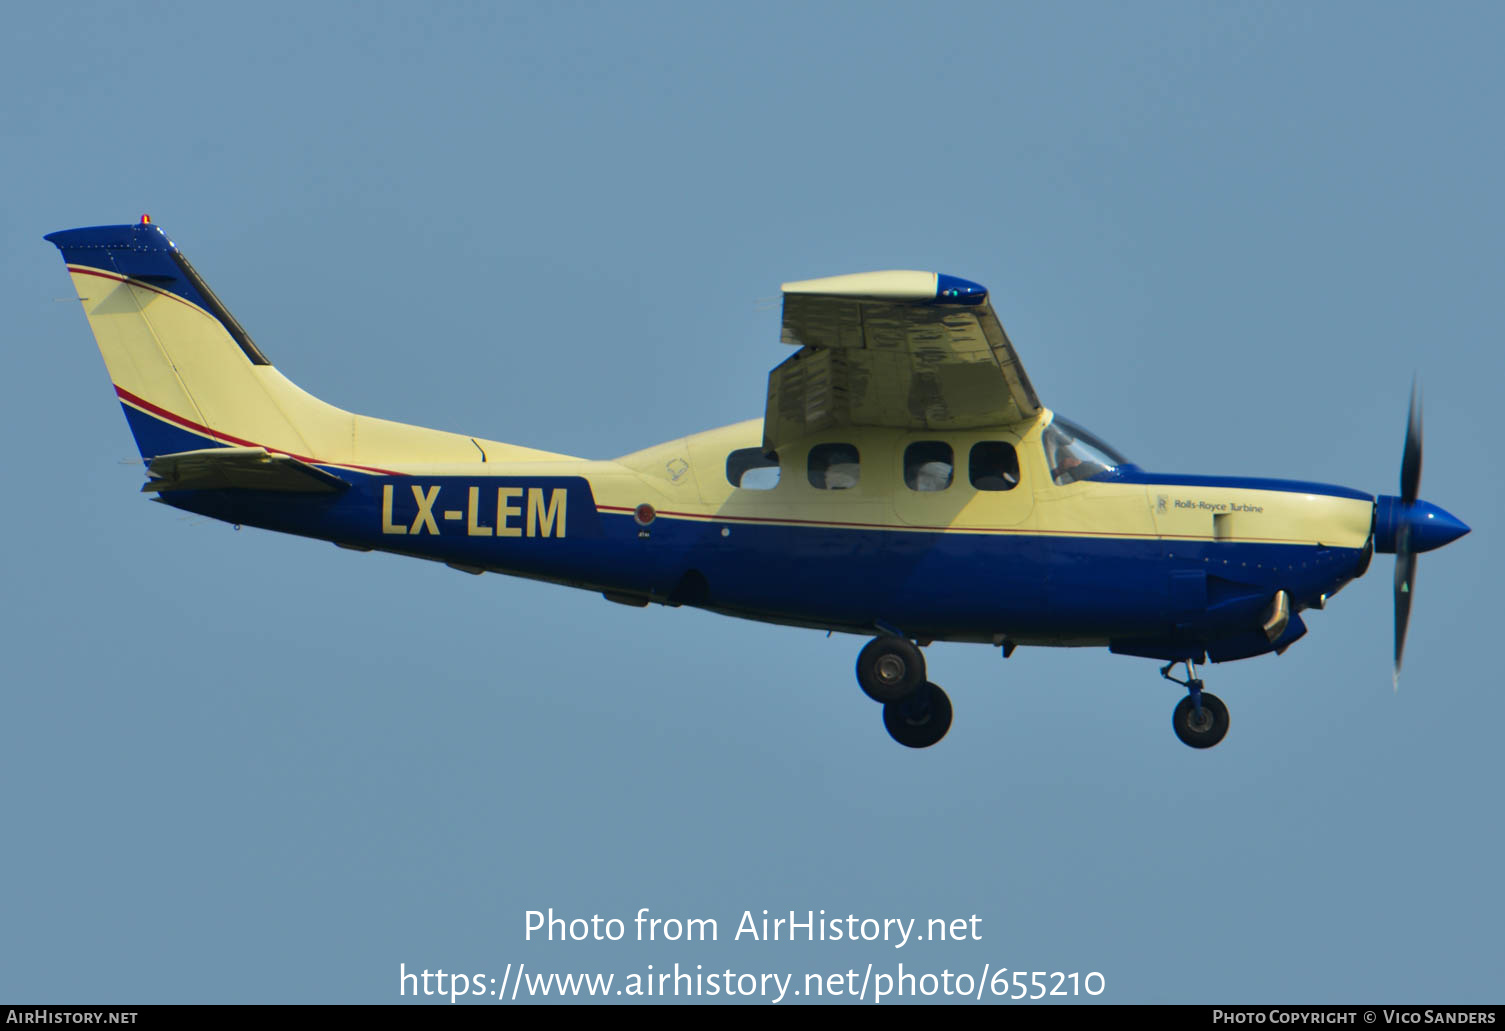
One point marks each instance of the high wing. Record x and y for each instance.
(913, 350)
(238, 468)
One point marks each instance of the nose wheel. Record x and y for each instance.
(1201, 718)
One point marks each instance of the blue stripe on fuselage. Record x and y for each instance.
(929, 584)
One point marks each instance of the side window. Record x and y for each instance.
(833, 466)
(994, 465)
(750, 469)
(928, 465)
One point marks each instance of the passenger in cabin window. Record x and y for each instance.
(931, 476)
(841, 475)
(834, 466)
(993, 465)
(928, 465)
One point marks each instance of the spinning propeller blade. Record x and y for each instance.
(1405, 558)
(1410, 462)
(1405, 580)
(1406, 526)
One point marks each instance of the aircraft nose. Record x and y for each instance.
(1430, 527)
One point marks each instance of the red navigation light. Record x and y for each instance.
(146, 220)
(644, 514)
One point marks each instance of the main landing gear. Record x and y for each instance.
(1200, 719)
(891, 671)
(917, 713)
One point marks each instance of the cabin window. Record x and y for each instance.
(928, 465)
(750, 469)
(833, 466)
(994, 465)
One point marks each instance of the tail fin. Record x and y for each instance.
(190, 377)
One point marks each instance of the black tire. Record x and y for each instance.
(1213, 725)
(890, 669)
(920, 720)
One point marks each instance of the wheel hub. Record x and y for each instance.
(1199, 721)
(890, 669)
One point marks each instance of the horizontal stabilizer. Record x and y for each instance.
(238, 468)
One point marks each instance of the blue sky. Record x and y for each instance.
(239, 767)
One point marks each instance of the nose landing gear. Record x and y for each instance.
(1201, 718)
(891, 671)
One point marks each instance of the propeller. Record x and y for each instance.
(1405, 526)
(1405, 558)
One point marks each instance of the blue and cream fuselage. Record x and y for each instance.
(1172, 567)
(1162, 566)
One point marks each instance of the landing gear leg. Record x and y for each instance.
(1201, 718)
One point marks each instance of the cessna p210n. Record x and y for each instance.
(905, 483)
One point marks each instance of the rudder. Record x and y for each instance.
(182, 366)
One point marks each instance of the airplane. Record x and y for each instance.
(905, 483)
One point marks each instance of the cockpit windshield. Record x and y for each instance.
(1075, 454)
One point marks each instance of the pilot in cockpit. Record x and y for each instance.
(1069, 461)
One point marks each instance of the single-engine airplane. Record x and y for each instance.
(905, 483)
